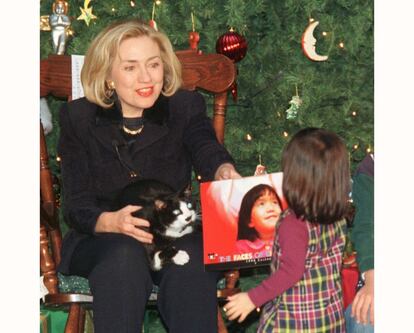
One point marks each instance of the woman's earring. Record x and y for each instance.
(111, 85)
(110, 88)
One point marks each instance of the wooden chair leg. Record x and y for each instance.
(231, 279)
(72, 324)
(47, 265)
(82, 314)
(220, 322)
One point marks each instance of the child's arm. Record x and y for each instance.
(293, 240)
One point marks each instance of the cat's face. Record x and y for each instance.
(184, 217)
(175, 217)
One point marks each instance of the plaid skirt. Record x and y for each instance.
(324, 317)
(314, 304)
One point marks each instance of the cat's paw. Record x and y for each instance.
(181, 258)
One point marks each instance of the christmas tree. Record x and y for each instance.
(336, 94)
(280, 89)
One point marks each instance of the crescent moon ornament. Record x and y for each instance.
(309, 43)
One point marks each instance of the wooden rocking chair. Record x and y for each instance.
(212, 73)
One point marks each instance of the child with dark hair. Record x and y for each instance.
(259, 211)
(303, 292)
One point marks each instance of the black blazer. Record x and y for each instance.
(97, 159)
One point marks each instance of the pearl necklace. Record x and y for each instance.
(132, 132)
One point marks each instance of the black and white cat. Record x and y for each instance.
(170, 217)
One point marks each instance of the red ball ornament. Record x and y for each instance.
(153, 24)
(232, 45)
(193, 38)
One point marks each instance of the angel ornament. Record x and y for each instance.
(59, 23)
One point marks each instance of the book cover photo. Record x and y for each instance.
(239, 218)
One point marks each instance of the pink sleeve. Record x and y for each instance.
(293, 241)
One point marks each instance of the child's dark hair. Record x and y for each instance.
(246, 206)
(316, 177)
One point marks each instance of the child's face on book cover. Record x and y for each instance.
(265, 213)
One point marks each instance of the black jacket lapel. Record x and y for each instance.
(155, 125)
(108, 129)
(150, 134)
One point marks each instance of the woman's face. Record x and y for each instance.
(265, 213)
(138, 75)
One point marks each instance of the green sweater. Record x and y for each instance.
(362, 234)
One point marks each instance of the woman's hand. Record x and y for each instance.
(363, 303)
(122, 221)
(226, 171)
(240, 306)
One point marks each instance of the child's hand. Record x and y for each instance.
(239, 305)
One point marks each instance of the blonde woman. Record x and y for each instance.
(135, 122)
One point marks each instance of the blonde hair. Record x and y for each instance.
(103, 50)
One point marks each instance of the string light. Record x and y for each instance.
(311, 19)
(198, 177)
(354, 113)
(356, 146)
(132, 2)
(285, 134)
(58, 158)
(368, 150)
(341, 45)
(113, 9)
(324, 33)
(158, 2)
(248, 137)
